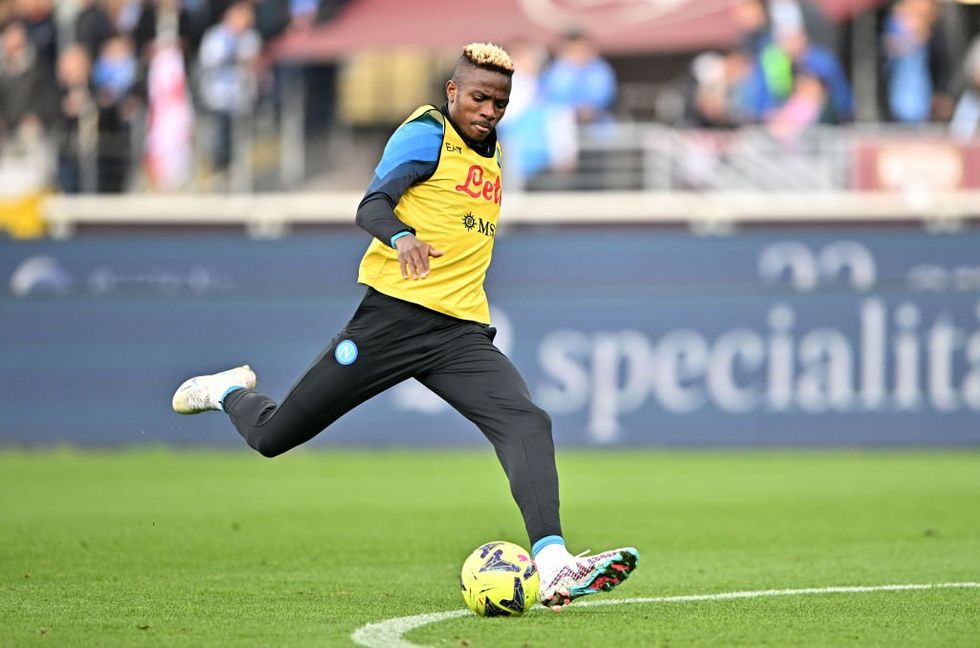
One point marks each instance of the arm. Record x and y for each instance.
(411, 156)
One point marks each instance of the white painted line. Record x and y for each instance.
(389, 634)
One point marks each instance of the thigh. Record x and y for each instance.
(371, 354)
(481, 383)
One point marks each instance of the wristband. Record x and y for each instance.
(398, 236)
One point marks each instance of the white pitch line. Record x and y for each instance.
(389, 634)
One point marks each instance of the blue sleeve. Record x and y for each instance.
(411, 156)
(602, 85)
(839, 89)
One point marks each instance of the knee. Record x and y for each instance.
(537, 422)
(267, 450)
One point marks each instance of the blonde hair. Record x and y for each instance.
(487, 56)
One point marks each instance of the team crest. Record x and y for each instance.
(346, 352)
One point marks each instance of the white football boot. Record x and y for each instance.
(204, 393)
(584, 575)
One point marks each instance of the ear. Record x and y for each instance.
(451, 90)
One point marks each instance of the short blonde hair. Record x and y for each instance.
(489, 57)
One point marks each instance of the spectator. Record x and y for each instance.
(717, 98)
(965, 123)
(38, 19)
(168, 150)
(127, 16)
(27, 101)
(162, 20)
(228, 56)
(76, 133)
(115, 70)
(303, 13)
(806, 16)
(114, 80)
(580, 79)
(801, 111)
(916, 63)
(815, 61)
(536, 135)
(93, 27)
(769, 79)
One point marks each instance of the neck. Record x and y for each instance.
(484, 147)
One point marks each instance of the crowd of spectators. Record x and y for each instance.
(785, 72)
(551, 96)
(117, 85)
(84, 73)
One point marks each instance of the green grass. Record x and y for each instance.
(170, 548)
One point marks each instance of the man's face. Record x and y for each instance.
(477, 101)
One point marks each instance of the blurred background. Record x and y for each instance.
(726, 222)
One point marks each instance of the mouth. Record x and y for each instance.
(482, 127)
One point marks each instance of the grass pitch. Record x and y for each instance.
(172, 548)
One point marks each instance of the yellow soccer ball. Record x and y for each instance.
(499, 579)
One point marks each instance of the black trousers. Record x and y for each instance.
(396, 340)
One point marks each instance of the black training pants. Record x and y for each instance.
(456, 359)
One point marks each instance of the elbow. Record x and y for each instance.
(359, 218)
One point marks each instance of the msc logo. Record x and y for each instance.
(478, 187)
(452, 148)
(471, 222)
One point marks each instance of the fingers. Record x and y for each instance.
(422, 262)
(414, 261)
(414, 264)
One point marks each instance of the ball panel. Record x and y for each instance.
(499, 579)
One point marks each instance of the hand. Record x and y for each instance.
(413, 256)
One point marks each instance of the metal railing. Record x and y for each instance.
(653, 157)
(613, 157)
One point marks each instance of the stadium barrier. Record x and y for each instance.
(272, 215)
(835, 335)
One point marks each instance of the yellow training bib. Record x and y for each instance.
(455, 211)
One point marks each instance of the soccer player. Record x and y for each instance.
(432, 208)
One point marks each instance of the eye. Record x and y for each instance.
(500, 104)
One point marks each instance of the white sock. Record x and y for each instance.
(550, 560)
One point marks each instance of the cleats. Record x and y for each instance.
(204, 393)
(585, 575)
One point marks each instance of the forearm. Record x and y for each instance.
(376, 216)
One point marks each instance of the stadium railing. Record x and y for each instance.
(637, 173)
(273, 215)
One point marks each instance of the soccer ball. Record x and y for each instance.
(499, 579)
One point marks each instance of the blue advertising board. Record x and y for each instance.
(781, 337)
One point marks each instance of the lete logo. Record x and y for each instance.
(477, 187)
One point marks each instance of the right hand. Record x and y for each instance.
(413, 257)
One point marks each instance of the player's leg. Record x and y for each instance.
(378, 348)
(347, 372)
(474, 377)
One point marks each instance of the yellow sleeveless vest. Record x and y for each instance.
(456, 211)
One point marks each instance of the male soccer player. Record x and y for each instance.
(432, 208)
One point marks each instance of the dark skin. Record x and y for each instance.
(477, 100)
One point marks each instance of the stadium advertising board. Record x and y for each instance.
(781, 337)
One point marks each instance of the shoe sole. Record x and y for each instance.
(604, 579)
